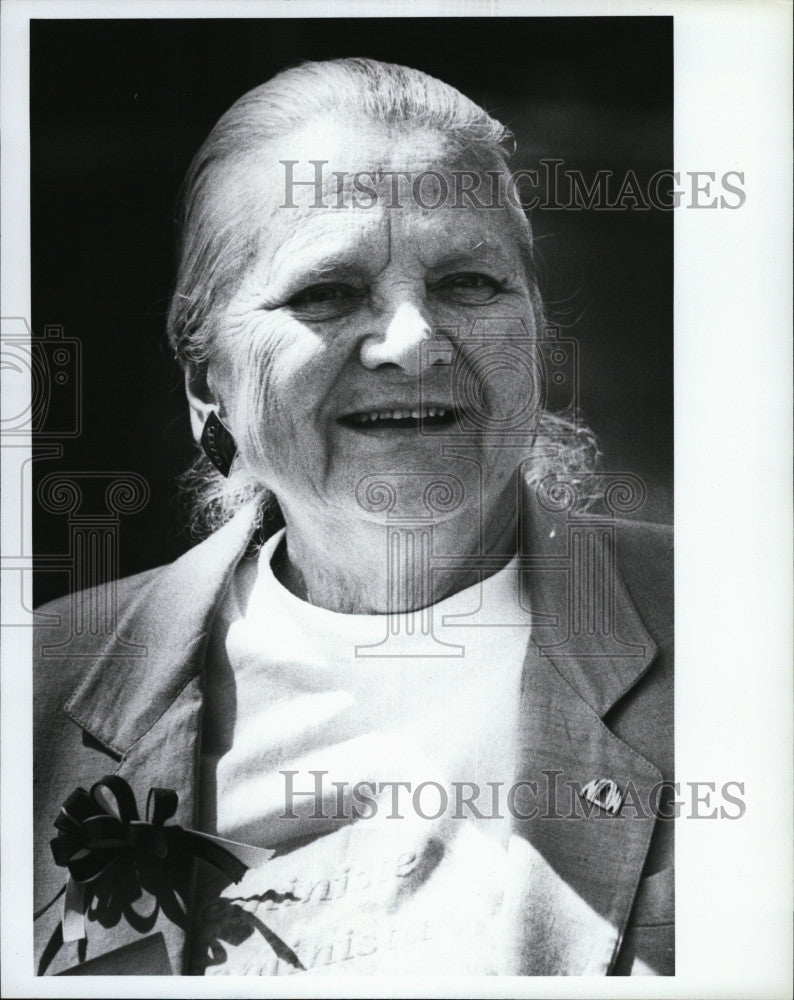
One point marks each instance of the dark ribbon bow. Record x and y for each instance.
(92, 837)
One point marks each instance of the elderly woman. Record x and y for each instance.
(399, 712)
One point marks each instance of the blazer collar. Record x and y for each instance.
(122, 696)
(592, 635)
(583, 619)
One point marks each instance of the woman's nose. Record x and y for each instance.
(400, 341)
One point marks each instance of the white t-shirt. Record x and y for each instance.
(397, 736)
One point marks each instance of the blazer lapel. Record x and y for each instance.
(122, 697)
(139, 928)
(167, 756)
(575, 866)
(574, 876)
(147, 712)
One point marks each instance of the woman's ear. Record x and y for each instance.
(201, 399)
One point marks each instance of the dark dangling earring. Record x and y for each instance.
(218, 443)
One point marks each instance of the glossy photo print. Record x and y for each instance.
(360, 367)
(353, 496)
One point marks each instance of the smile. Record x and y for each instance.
(400, 419)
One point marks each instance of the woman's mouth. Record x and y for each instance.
(424, 418)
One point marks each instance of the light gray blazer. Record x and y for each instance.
(589, 895)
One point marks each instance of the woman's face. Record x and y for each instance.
(390, 343)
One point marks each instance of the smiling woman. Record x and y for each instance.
(404, 585)
(308, 381)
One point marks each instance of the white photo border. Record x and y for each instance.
(733, 503)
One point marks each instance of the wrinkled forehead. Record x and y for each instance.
(336, 180)
(338, 164)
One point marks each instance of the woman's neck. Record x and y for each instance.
(359, 567)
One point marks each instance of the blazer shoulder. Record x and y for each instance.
(645, 535)
(61, 653)
(645, 559)
(127, 587)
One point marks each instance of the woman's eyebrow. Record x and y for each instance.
(316, 264)
(338, 266)
(485, 251)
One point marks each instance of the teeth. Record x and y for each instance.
(372, 417)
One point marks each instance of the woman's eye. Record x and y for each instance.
(469, 287)
(325, 298)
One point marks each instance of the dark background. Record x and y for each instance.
(119, 107)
